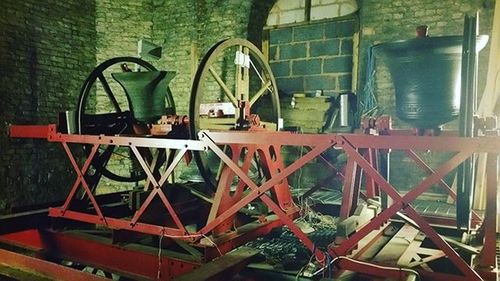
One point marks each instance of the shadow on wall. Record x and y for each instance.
(257, 20)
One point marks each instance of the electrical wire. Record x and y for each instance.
(213, 243)
(183, 237)
(258, 74)
(367, 100)
(158, 275)
(193, 236)
(305, 266)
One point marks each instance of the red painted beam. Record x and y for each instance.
(31, 131)
(125, 261)
(45, 268)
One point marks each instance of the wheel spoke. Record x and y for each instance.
(247, 89)
(109, 93)
(224, 87)
(259, 93)
(111, 155)
(103, 158)
(242, 73)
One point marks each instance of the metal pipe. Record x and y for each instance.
(344, 110)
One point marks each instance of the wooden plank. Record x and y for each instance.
(492, 89)
(368, 247)
(392, 252)
(412, 256)
(216, 269)
(487, 104)
(407, 257)
(371, 244)
(223, 123)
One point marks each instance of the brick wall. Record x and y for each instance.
(119, 26)
(46, 49)
(195, 26)
(311, 57)
(186, 29)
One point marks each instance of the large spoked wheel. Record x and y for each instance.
(232, 76)
(103, 108)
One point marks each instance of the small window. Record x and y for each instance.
(296, 11)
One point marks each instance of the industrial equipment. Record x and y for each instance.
(161, 229)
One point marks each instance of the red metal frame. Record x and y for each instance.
(51, 270)
(226, 206)
(87, 250)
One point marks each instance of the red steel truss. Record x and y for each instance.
(275, 194)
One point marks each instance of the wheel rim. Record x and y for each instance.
(88, 88)
(261, 86)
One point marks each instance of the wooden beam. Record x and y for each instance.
(488, 103)
(221, 267)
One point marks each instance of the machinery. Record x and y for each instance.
(163, 229)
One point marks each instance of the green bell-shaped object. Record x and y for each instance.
(147, 93)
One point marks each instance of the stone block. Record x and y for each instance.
(347, 8)
(273, 53)
(280, 69)
(346, 47)
(308, 32)
(345, 82)
(325, 11)
(339, 29)
(338, 65)
(324, 48)
(288, 5)
(272, 19)
(292, 51)
(306, 67)
(290, 16)
(310, 118)
(280, 35)
(290, 85)
(320, 82)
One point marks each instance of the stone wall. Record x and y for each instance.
(186, 29)
(46, 49)
(188, 33)
(119, 26)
